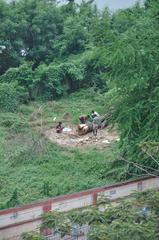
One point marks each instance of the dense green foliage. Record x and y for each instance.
(9, 97)
(51, 47)
(46, 81)
(133, 58)
(135, 219)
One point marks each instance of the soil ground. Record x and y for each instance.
(71, 139)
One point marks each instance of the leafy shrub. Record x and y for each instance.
(9, 97)
(47, 82)
(57, 80)
(23, 76)
(94, 64)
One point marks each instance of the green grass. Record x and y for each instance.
(76, 104)
(28, 161)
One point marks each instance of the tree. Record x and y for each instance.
(10, 40)
(44, 24)
(134, 77)
(28, 32)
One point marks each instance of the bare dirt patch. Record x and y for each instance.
(71, 139)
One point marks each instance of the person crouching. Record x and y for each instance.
(59, 127)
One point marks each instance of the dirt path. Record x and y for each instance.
(104, 138)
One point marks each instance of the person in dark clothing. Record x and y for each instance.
(59, 127)
(83, 119)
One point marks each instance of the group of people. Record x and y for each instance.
(83, 119)
(90, 118)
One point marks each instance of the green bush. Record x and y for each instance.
(9, 97)
(45, 82)
(55, 80)
(24, 79)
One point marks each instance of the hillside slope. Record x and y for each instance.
(33, 168)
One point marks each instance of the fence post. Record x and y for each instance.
(46, 209)
(95, 199)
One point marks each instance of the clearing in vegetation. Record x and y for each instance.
(71, 139)
(69, 112)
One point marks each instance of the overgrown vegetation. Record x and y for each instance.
(134, 63)
(136, 218)
(49, 51)
(33, 168)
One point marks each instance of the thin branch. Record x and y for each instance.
(152, 157)
(140, 167)
(137, 175)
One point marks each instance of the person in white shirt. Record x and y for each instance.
(94, 114)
